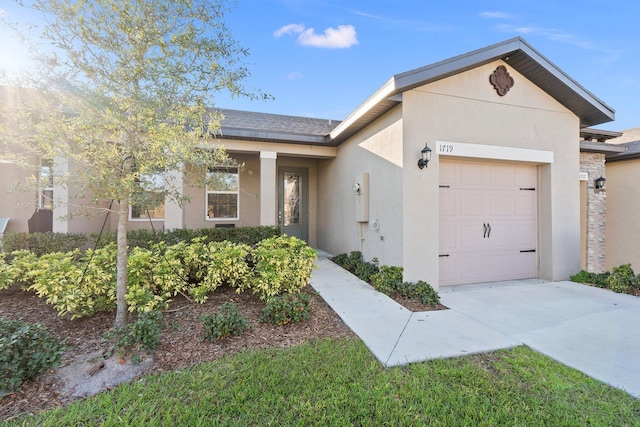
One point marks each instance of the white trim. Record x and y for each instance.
(206, 198)
(494, 152)
(268, 155)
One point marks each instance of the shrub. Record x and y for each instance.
(622, 278)
(227, 322)
(598, 279)
(143, 334)
(365, 270)
(45, 243)
(281, 265)
(387, 280)
(420, 290)
(7, 273)
(209, 265)
(287, 308)
(26, 350)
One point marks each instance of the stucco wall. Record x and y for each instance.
(376, 150)
(465, 108)
(249, 204)
(16, 205)
(623, 214)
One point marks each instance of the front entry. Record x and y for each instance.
(488, 229)
(293, 202)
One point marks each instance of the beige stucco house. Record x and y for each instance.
(500, 198)
(623, 202)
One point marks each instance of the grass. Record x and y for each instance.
(339, 383)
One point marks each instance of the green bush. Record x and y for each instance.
(420, 290)
(365, 270)
(281, 265)
(26, 350)
(349, 262)
(387, 280)
(287, 308)
(81, 284)
(228, 322)
(43, 243)
(143, 334)
(598, 279)
(622, 279)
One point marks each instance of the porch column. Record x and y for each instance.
(173, 211)
(268, 188)
(60, 197)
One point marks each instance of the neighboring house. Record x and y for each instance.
(499, 199)
(623, 203)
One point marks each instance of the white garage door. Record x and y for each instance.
(488, 226)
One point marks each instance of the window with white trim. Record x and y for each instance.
(148, 203)
(222, 193)
(45, 184)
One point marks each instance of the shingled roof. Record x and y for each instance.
(238, 124)
(633, 152)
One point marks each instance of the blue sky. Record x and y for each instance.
(323, 58)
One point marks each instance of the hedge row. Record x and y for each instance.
(44, 243)
(80, 284)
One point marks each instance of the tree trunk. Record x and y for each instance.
(121, 287)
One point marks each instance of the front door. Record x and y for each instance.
(293, 202)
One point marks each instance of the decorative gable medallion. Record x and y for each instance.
(501, 80)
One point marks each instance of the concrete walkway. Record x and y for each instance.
(589, 329)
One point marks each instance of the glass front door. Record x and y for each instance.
(293, 203)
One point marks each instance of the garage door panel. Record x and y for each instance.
(471, 237)
(471, 204)
(500, 175)
(485, 193)
(525, 204)
(500, 204)
(448, 238)
(448, 204)
(471, 175)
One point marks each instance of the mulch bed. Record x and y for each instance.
(180, 346)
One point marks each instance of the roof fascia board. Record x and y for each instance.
(384, 93)
(600, 147)
(274, 136)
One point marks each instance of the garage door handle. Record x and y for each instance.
(489, 233)
(485, 230)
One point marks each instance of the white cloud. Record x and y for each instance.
(288, 29)
(494, 15)
(294, 75)
(333, 38)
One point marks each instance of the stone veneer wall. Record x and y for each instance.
(593, 164)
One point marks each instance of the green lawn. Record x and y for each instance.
(339, 383)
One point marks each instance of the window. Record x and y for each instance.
(45, 185)
(222, 193)
(149, 202)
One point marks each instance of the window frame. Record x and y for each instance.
(45, 164)
(208, 191)
(143, 216)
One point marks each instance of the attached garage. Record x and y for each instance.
(488, 228)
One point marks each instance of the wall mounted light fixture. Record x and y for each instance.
(425, 157)
(599, 183)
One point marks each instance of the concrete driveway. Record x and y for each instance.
(590, 329)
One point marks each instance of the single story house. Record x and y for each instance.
(463, 171)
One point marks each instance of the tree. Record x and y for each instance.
(126, 92)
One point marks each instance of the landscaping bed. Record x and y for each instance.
(180, 340)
